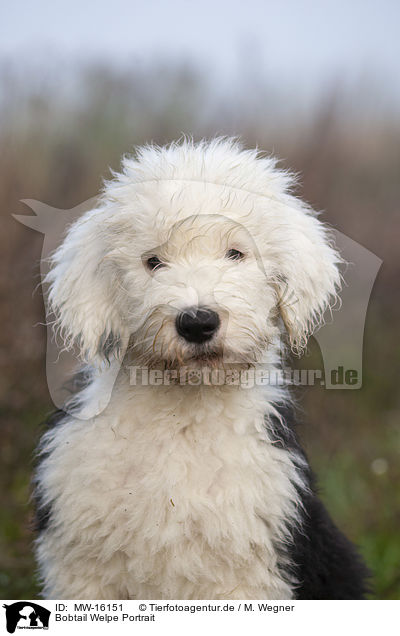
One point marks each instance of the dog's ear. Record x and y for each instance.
(308, 279)
(83, 290)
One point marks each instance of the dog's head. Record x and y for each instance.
(197, 252)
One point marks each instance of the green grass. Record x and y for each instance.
(19, 435)
(364, 505)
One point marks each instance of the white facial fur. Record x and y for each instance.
(189, 204)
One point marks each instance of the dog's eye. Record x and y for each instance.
(234, 255)
(154, 263)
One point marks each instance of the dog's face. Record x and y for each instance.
(203, 296)
(193, 268)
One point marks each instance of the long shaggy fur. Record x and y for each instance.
(179, 490)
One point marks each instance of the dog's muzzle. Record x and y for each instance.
(197, 324)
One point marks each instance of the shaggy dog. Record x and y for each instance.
(163, 481)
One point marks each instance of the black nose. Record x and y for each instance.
(197, 325)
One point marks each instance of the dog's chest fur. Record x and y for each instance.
(192, 503)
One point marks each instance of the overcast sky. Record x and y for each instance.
(304, 42)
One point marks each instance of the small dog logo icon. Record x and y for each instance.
(26, 615)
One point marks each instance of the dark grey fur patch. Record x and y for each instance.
(323, 561)
(42, 510)
(109, 343)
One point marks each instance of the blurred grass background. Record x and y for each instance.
(59, 135)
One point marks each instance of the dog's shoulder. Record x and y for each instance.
(323, 561)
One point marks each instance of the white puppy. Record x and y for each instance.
(197, 257)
